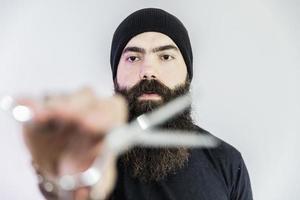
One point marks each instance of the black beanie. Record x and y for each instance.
(146, 20)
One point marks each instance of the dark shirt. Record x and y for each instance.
(210, 174)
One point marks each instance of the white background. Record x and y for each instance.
(246, 66)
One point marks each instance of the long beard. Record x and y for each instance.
(155, 164)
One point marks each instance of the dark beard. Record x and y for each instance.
(154, 164)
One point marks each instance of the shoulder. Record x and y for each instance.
(224, 159)
(228, 163)
(223, 152)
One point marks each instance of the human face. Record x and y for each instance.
(151, 55)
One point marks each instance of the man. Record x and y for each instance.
(151, 60)
(152, 63)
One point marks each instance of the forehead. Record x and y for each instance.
(149, 40)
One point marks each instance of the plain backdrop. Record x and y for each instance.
(246, 66)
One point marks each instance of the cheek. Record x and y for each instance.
(127, 76)
(174, 75)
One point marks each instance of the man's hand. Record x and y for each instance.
(66, 132)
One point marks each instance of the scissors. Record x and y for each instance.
(140, 132)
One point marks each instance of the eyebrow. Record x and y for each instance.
(165, 47)
(157, 49)
(134, 49)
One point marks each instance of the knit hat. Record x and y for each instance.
(155, 20)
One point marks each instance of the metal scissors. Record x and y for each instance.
(140, 132)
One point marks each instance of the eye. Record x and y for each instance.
(166, 57)
(133, 59)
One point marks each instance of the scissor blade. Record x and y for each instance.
(161, 138)
(165, 112)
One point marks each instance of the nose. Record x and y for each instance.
(148, 71)
(149, 76)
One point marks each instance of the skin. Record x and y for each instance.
(151, 55)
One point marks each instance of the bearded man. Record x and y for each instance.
(152, 63)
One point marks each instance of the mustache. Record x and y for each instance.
(150, 86)
(146, 87)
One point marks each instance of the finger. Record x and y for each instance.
(107, 114)
(83, 98)
(70, 106)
